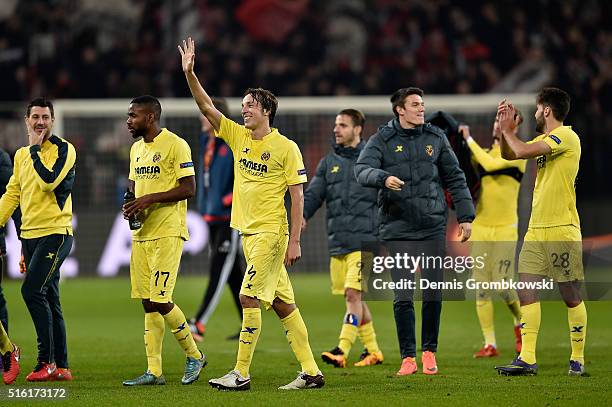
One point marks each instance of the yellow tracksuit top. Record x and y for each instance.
(42, 185)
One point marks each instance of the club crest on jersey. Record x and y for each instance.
(399, 149)
(265, 156)
(335, 169)
(541, 161)
(156, 157)
(429, 150)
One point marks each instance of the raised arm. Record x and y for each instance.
(513, 148)
(487, 162)
(200, 96)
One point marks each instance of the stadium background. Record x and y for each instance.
(93, 57)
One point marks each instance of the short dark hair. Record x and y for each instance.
(40, 102)
(397, 99)
(266, 99)
(558, 100)
(356, 116)
(151, 103)
(221, 105)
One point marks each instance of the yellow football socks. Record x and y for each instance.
(297, 335)
(251, 327)
(484, 310)
(368, 337)
(577, 319)
(348, 334)
(153, 338)
(530, 325)
(180, 329)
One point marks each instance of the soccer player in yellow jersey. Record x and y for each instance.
(162, 179)
(553, 243)
(41, 185)
(495, 231)
(266, 165)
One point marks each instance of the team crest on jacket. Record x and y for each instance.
(156, 157)
(265, 156)
(335, 168)
(429, 149)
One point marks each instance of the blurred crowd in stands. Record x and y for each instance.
(122, 48)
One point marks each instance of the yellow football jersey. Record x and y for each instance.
(498, 200)
(554, 196)
(262, 171)
(156, 167)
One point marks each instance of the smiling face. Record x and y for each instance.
(40, 118)
(253, 114)
(139, 120)
(412, 112)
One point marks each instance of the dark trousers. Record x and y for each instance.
(3, 270)
(403, 304)
(3, 311)
(403, 311)
(40, 291)
(227, 265)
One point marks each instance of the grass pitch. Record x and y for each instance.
(105, 344)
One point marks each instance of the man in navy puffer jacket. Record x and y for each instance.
(351, 220)
(411, 162)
